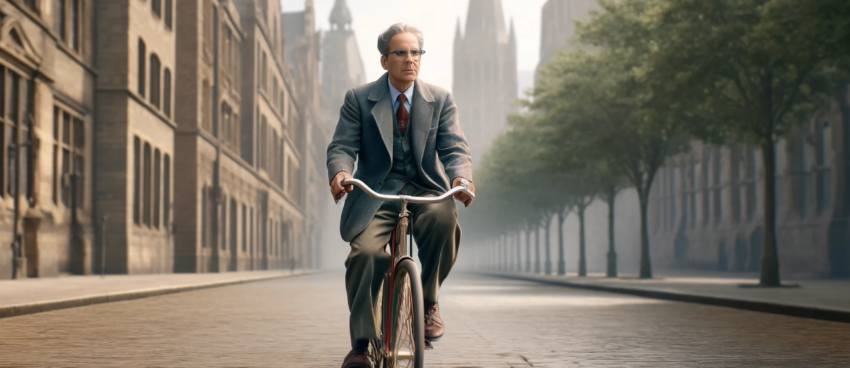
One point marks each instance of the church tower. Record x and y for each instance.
(342, 66)
(485, 74)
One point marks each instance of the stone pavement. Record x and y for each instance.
(827, 299)
(19, 297)
(491, 322)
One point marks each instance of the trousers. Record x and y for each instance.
(437, 235)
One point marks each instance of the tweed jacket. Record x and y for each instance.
(365, 133)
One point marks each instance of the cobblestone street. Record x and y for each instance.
(302, 322)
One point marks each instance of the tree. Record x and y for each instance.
(748, 71)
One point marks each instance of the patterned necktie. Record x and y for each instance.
(401, 113)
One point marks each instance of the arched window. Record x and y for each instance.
(141, 66)
(166, 96)
(155, 83)
(166, 190)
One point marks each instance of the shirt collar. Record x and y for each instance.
(394, 92)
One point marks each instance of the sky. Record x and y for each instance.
(437, 20)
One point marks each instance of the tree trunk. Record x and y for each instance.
(518, 245)
(537, 249)
(562, 265)
(527, 250)
(645, 262)
(548, 265)
(612, 253)
(769, 273)
(582, 261)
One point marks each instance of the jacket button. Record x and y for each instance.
(380, 183)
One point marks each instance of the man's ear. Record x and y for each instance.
(385, 63)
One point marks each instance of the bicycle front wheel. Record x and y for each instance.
(407, 343)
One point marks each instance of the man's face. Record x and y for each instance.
(407, 69)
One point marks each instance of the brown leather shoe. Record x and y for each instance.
(433, 323)
(356, 359)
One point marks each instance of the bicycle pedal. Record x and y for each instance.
(428, 345)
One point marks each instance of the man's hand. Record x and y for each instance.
(337, 189)
(463, 197)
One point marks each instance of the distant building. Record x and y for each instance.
(707, 206)
(557, 26)
(302, 48)
(485, 74)
(342, 66)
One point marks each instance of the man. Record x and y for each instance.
(409, 141)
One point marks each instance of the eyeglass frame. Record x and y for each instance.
(400, 58)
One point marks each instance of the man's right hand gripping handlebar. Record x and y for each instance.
(337, 189)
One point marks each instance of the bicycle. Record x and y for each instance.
(402, 340)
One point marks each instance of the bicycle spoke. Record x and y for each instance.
(404, 345)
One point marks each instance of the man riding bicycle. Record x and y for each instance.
(409, 141)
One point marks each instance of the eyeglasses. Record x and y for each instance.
(401, 55)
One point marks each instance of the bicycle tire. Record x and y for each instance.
(408, 312)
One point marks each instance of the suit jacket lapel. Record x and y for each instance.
(420, 122)
(382, 111)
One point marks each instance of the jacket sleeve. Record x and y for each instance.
(343, 149)
(452, 147)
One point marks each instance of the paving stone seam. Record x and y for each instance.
(52, 305)
(750, 305)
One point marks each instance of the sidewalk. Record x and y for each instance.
(20, 297)
(825, 299)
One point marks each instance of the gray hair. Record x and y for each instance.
(385, 37)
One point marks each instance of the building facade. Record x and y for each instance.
(557, 26)
(707, 206)
(485, 73)
(172, 143)
(47, 79)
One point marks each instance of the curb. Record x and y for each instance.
(47, 306)
(755, 306)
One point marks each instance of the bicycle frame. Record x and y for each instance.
(399, 246)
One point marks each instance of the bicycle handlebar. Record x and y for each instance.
(407, 198)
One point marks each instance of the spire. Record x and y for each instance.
(340, 15)
(487, 17)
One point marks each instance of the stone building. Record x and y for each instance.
(178, 143)
(134, 132)
(707, 206)
(47, 109)
(302, 49)
(485, 73)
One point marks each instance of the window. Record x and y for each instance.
(146, 185)
(68, 156)
(205, 197)
(166, 192)
(207, 106)
(244, 228)
(234, 211)
(156, 6)
(141, 66)
(68, 22)
(166, 96)
(824, 166)
(751, 181)
(137, 175)
(801, 173)
(155, 87)
(717, 188)
(169, 9)
(33, 5)
(14, 108)
(706, 188)
(157, 187)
